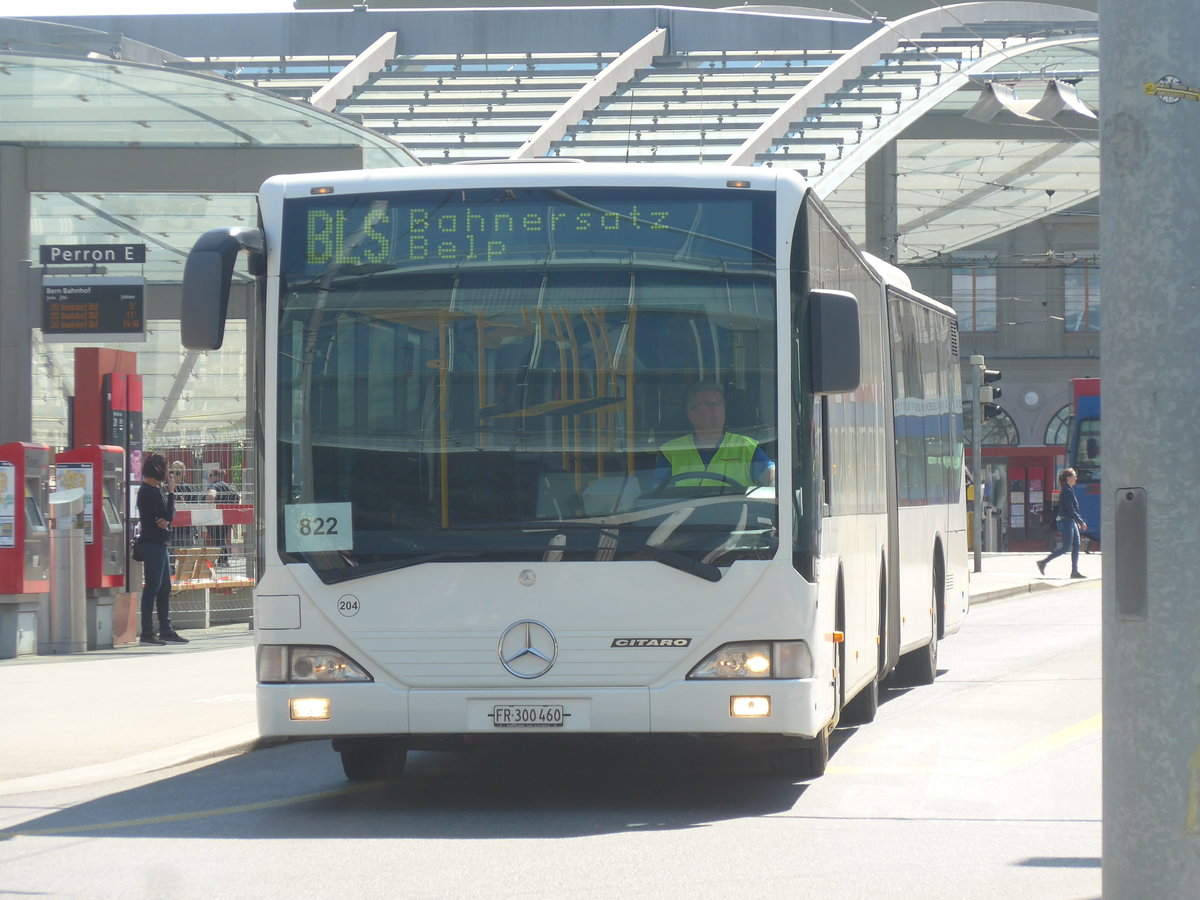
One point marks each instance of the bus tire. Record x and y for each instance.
(803, 760)
(372, 759)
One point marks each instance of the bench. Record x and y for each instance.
(195, 569)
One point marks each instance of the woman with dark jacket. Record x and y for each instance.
(155, 512)
(1069, 524)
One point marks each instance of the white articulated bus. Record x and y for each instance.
(581, 449)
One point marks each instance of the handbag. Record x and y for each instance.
(135, 549)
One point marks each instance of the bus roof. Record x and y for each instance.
(533, 173)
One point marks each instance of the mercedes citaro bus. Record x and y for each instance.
(468, 527)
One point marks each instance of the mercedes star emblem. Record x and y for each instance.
(528, 649)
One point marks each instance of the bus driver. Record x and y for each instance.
(710, 448)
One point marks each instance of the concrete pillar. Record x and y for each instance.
(16, 301)
(1149, 232)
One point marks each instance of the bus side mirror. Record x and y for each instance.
(834, 345)
(207, 277)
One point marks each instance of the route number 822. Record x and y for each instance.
(317, 526)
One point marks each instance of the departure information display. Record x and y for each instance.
(400, 230)
(93, 307)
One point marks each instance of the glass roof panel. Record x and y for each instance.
(103, 102)
(71, 101)
(168, 224)
(955, 192)
(1030, 70)
(178, 397)
(967, 191)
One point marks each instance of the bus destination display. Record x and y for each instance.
(520, 225)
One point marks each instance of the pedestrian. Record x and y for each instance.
(220, 491)
(156, 509)
(1069, 523)
(185, 492)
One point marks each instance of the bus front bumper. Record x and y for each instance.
(688, 707)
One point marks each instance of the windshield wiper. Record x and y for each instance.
(679, 561)
(361, 570)
(683, 563)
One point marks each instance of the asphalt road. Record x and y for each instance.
(983, 785)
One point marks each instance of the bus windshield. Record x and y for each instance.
(492, 374)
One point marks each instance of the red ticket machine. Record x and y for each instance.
(100, 471)
(24, 540)
(24, 545)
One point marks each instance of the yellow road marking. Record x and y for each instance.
(1046, 745)
(1003, 763)
(182, 817)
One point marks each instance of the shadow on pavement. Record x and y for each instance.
(297, 791)
(1061, 862)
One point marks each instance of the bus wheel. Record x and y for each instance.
(803, 760)
(372, 759)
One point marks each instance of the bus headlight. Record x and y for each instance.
(283, 664)
(756, 659)
(748, 660)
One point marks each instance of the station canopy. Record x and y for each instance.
(63, 87)
(958, 185)
(952, 103)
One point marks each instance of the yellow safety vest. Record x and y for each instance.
(732, 459)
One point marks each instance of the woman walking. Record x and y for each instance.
(155, 513)
(1069, 524)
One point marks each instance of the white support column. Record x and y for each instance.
(355, 74)
(602, 84)
(887, 38)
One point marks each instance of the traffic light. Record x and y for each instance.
(988, 393)
(990, 377)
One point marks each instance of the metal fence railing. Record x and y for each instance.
(212, 541)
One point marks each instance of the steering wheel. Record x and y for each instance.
(674, 480)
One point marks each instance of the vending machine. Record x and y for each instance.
(24, 544)
(100, 470)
